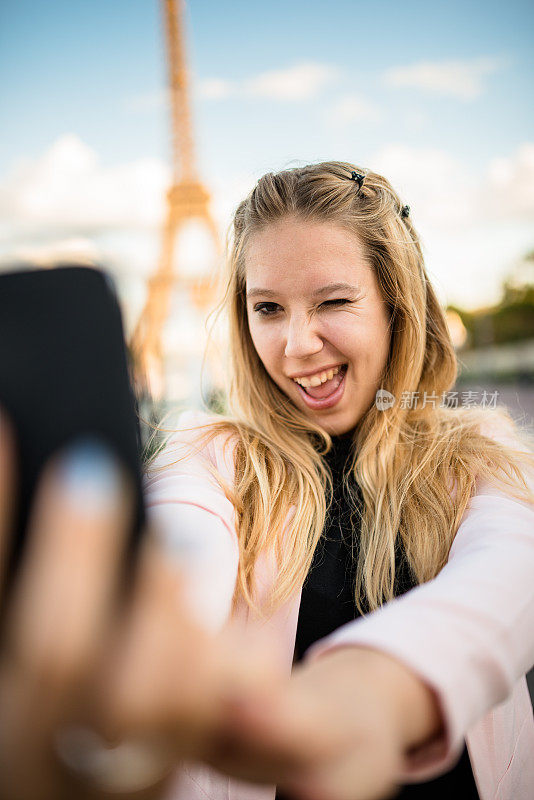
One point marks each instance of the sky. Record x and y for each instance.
(435, 96)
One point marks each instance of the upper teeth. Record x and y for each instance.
(318, 378)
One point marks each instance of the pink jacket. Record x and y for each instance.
(469, 632)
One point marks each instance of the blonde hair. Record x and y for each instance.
(406, 460)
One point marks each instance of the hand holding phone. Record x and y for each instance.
(74, 650)
(76, 666)
(59, 608)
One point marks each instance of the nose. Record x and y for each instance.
(302, 339)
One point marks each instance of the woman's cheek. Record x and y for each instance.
(264, 342)
(274, 339)
(345, 336)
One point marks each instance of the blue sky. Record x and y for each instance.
(436, 96)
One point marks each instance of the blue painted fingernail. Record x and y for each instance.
(90, 475)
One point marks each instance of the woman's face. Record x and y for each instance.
(315, 313)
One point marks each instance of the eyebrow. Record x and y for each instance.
(331, 287)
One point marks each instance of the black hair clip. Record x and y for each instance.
(405, 211)
(358, 178)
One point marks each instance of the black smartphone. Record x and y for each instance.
(64, 374)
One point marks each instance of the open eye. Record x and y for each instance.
(265, 309)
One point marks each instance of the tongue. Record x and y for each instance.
(327, 388)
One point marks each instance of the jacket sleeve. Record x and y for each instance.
(194, 520)
(468, 633)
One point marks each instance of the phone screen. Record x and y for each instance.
(64, 374)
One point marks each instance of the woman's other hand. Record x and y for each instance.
(337, 731)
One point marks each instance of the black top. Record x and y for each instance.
(327, 602)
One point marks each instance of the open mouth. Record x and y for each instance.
(328, 386)
(328, 393)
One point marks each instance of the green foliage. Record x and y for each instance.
(216, 401)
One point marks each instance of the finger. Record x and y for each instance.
(7, 484)
(77, 531)
(158, 639)
(195, 669)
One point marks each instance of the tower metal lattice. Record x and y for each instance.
(187, 200)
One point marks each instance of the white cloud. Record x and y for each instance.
(509, 187)
(437, 186)
(68, 189)
(299, 82)
(216, 88)
(474, 227)
(444, 191)
(66, 204)
(352, 108)
(302, 81)
(464, 79)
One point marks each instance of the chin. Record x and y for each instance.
(336, 427)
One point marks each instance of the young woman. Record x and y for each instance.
(354, 511)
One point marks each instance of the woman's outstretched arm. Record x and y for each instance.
(338, 730)
(412, 678)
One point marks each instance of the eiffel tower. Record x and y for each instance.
(187, 200)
